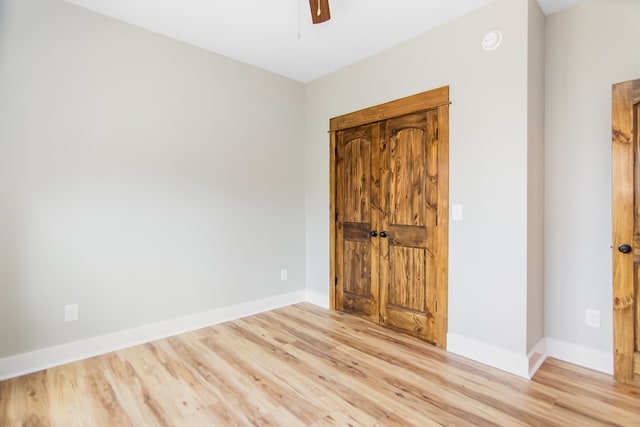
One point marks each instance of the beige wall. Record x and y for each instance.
(146, 179)
(535, 176)
(139, 177)
(488, 160)
(588, 48)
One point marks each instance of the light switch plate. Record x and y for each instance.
(456, 212)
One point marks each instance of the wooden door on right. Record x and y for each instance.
(626, 231)
(409, 206)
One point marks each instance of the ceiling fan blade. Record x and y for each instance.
(319, 11)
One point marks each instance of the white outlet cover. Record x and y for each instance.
(592, 318)
(71, 313)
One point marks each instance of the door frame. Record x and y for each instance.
(623, 163)
(432, 99)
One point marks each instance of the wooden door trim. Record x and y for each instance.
(333, 278)
(624, 96)
(436, 98)
(410, 104)
(442, 237)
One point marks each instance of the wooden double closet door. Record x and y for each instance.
(389, 214)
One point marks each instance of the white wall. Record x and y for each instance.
(488, 161)
(139, 177)
(589, 48)
(146, 179)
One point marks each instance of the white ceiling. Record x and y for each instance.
(277, 35)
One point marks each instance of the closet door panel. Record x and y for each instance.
(356, 188)
(407, 294)
(408, 278)
(407, 173)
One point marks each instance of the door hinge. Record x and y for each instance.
(437, 133)
(436, 306)
(336, 281)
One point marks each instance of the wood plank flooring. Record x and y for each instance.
(305, 366)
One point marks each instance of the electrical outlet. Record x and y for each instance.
(592, 318)
(71, 313)
(283, 274)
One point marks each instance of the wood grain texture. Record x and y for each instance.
(440, 299)
(385, 207)
(355, 217)
(333, 283)
(624, 146)
(428, 100)
(408, 171)
(636, 231)
(409, 279)
(408, 300)
(305, 366)
(319, 11)
(408, 198)
(357, 274)
(355, 182)
(376, 219)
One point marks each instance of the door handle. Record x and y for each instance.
(624, 248)
(383, 234)
(373, 233)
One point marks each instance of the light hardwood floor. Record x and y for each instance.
(302, 365)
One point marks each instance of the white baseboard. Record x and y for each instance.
(318, 299)
(26, 363)
(527, 366)
(587, 357)
(506, 360)
(537, 356)
(488, 354)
